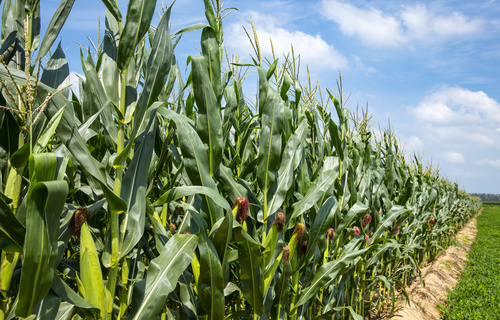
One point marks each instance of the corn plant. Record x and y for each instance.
(151, 194)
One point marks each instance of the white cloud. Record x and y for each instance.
(457, 114)
(313, 49)
(413, 144)
(412, 23)
(451, 105)
(453, 157)
(489, 162)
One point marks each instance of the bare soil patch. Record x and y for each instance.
(440, 276)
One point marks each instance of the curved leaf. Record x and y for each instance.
(45, 202)
(322, 222)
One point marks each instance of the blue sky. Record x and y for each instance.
(430, 67)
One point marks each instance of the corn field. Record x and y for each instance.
(155, 195)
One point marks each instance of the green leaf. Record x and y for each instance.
(112, 6)
(355, 213)
(139, 15)
(394, 213)
(134, 189)
(161, 278)
(194, 157)
(211, 52)
(210, 15)
(48, 132)
(285, 174)
(322, 222)
(252, 278)
(271, 111)
(48, 307)
(221, 239)
(56, 71)
(327, 273)
(12, 232)
(110, 72)
(55, 25)
(193, 27)
(315, 192)
(211, 281)
(67, 294)
(94, 97)
(208, 120)
(179, 192)
(45, 202)
(158, 69)
(90, 271)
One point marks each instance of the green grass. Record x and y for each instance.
(477, 294)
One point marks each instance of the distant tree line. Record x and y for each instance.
(487, 196)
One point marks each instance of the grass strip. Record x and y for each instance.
(477, 294)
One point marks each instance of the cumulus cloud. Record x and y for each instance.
(455, 114)
(453, 157)
(313, 49)
(412, 23)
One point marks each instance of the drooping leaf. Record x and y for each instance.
(45, 200)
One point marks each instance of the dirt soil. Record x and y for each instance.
(440, 276)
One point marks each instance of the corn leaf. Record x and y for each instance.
(45, 201)
(55, 25)
(12, 232)
(315, 192)
(208, 120)
(112, 6)
(322, 222)
(251, 277)
(326, 273)
(139, 15)
(211, 281)
(157, 71)
(134, 189)
(161, 278)
(194, 158)
(90, 271)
